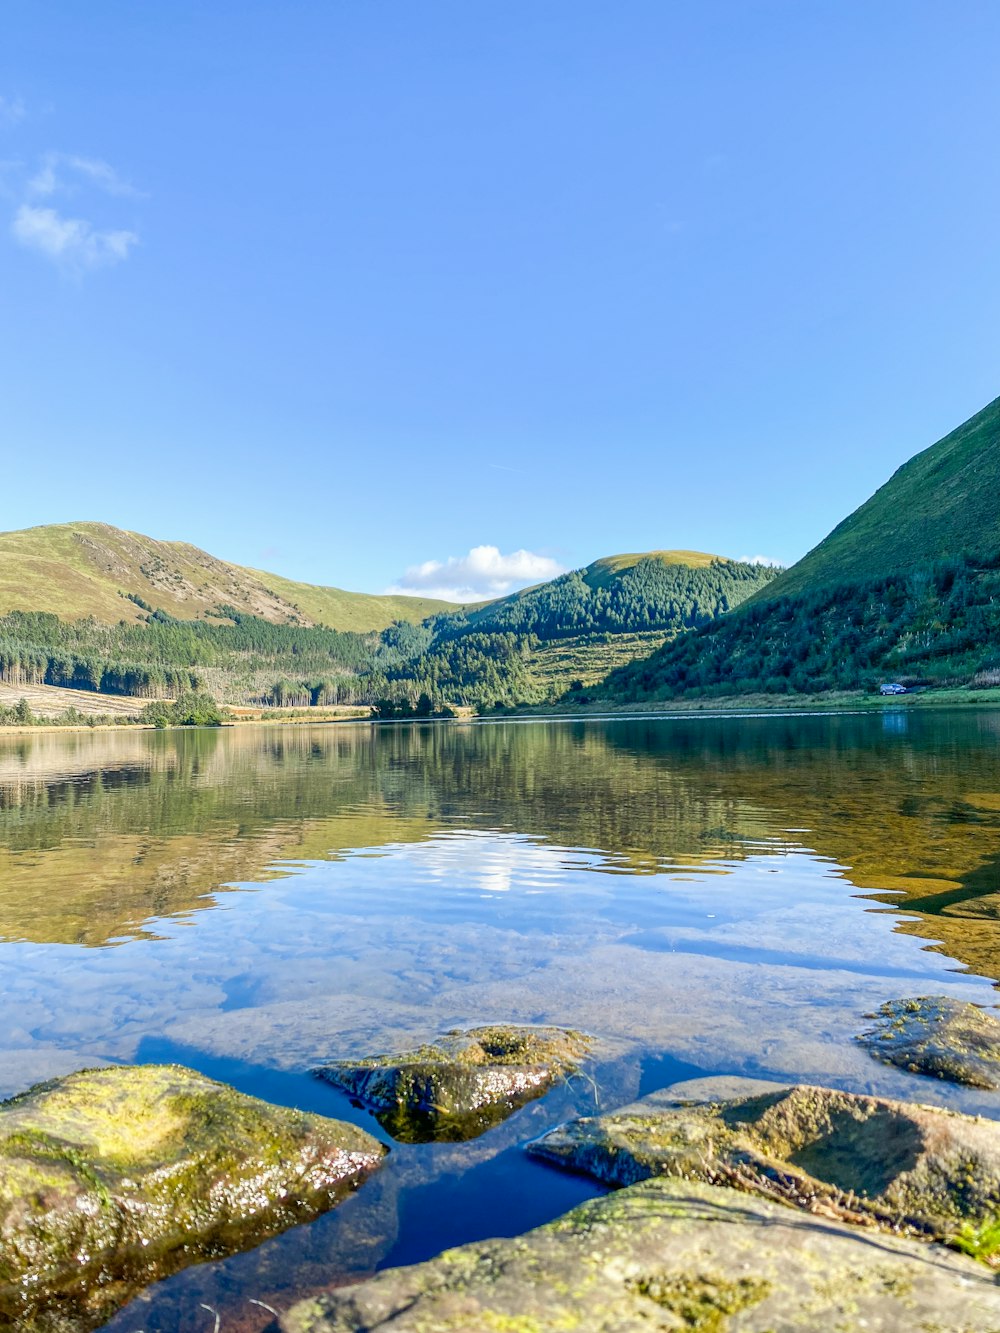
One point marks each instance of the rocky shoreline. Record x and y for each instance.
(736, 1204)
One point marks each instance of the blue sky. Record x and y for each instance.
(345, 289)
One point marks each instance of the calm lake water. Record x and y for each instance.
(703, 894)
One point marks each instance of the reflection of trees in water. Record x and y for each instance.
(99, 833)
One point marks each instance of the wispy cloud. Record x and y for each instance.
(52, 204)
(73, 242)
(12, 110)
(65, 172)
(760, 560)
(484, 572)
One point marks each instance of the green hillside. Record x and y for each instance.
(907, 588)
(155, 619)
(943, 503)
(619, 594)
(357, 611)
(76, 570)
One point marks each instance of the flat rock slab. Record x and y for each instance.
(463, 1084)
(672, 1255)
(112, 1178)
(858, 1159)
(939, 1036)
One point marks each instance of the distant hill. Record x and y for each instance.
(619, 594)
(907, 587)
(75, 570)
(88, 607)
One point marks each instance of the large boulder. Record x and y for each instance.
(859, 1159)
(463, 1084)
(939, 1036)
(671, 1255)
(113, 1178)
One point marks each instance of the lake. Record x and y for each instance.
(704, 894)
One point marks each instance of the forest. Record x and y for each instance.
(483, 660)
(649, 595)
(250, 660)
(937, 625)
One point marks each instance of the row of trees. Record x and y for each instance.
(475, 670)
(26, 664)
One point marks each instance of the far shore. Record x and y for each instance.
(853, 701)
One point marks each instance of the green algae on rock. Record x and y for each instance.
(463, 1084)
(671, 1255)
(939, 1036)
(867, 1160)
(113, 1178)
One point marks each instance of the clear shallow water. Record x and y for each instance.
(702, 894)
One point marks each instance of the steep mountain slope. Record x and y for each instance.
(907, 586)
(89, 569)
(944, 502)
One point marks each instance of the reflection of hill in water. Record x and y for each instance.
(99, 833)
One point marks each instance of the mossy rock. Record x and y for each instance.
(463, 1084)
(113, 1178)
(671, 1255)
(866, 1160)
(938, 1036)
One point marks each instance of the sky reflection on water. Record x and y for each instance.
(256, 902)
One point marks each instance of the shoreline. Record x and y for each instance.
(754, 705)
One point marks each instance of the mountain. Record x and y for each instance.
(907, 587)
(88, 607)
(74, 570)
(619, 594)
(943, 503)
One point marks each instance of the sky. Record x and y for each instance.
(447, 297)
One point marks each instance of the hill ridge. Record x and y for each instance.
(91, 568)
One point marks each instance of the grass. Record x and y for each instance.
(51, 701)
(943, 502)
(603, 571)
(589, 658)
(75, 570)
(829, 701)
(982, 1243)
(358, 611)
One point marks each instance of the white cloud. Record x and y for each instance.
(12, 110)
(73, 242)
(485, 572)
(759, 560)
(64, 171)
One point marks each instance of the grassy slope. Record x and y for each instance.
(602, 572)
(588, 659)
(944, 502)
(358, 611)
(78, 569)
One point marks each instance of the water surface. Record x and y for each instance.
(702, 894)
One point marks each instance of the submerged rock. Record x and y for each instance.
(463, 1084)
(859, 1159)
(112, 1178)
(671, 1255)
(933, 1034)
